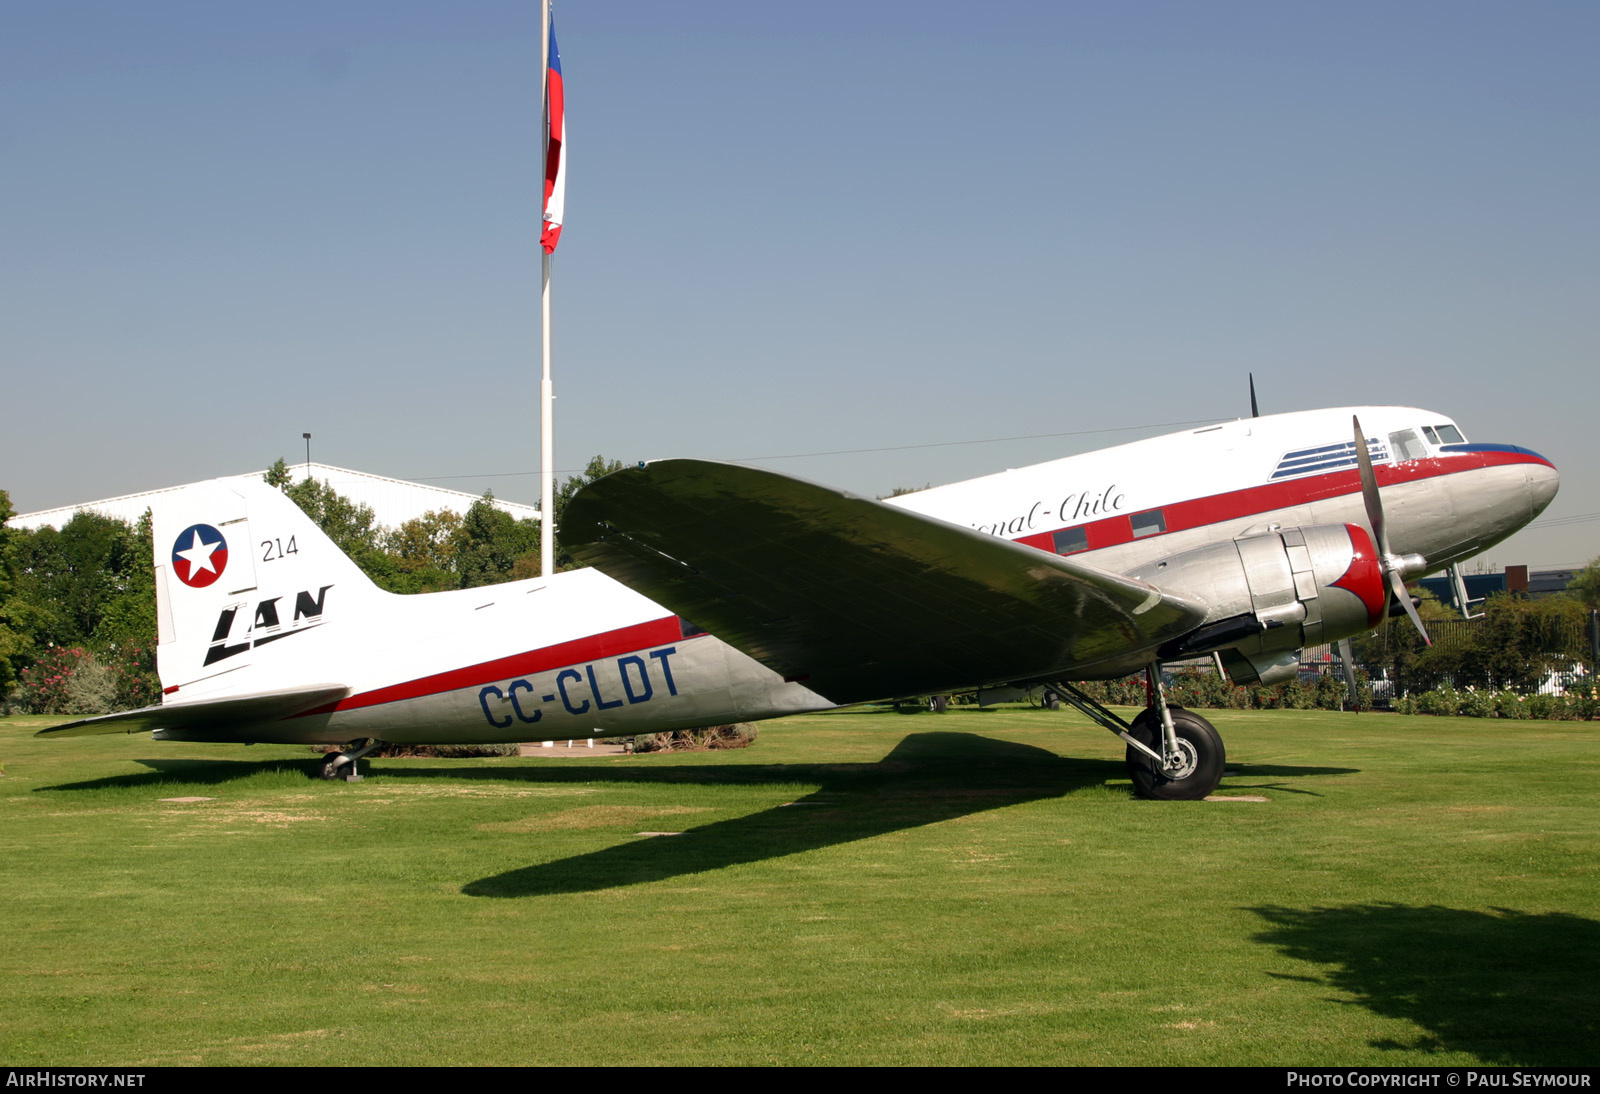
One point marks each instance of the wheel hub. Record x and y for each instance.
(1181, 761)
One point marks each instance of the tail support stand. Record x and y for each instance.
(342, 765)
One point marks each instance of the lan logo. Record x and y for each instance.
(239, 630)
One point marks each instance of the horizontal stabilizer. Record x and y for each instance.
(856, 599)
(234, 711)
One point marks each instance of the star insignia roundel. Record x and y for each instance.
(199, 555)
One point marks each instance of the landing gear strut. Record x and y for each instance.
(342, 765)
(1173, 753)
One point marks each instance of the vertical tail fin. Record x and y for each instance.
(243, 580)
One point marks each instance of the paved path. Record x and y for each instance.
(603, 746)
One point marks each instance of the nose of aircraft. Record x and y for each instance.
(1543, 481)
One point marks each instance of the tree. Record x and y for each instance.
(353, 527)
(1516, 643)
(1585, 585)
(78, 615)
(438, 550)
(1520, 641)
(13, 646)
(1397, 647)
(128, 621)
(424, 551)
(489, 543)
(71, 576)
(492, 546)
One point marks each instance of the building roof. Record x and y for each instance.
(393, 501)
(1481, 586)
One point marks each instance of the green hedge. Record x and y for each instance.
(1576, 705)
(1207, 690)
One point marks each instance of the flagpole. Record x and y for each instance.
(547, 446)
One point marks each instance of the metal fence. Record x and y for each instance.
(1559, 675)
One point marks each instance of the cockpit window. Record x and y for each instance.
(1449, 434)
(1427, 431)
(1406, 445)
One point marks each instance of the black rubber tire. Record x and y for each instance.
(328, 767)
(938, 703)
(1200, 735)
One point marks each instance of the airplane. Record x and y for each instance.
(719, 593)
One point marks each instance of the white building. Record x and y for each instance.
(393, 501)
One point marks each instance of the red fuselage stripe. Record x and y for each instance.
(592, 648)
(1181, 516)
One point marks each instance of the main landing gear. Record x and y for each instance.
(1194, 762)
(342, 765)
(1173, 753)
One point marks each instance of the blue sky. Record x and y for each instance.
(888, 226)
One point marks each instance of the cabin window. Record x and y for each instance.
(1406, 445)
(1149, 524)
(1071, 540)
(1427, 431)
(1449, 434)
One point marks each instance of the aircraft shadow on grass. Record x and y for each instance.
(172, 771)
(1269, 778)
(929, 777)
(1509, 987)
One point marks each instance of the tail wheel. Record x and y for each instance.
(1199, 764)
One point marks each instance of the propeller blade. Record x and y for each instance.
(1380, 530)
(1369, 492)
(1347, 662)
(1397, 585)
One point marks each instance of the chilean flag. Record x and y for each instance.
(555, 163)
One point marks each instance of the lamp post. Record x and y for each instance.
(307, 436)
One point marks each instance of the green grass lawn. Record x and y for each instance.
(974, 887)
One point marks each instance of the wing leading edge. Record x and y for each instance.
(856, 599)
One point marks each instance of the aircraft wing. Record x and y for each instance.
(856, 599)
(237, 710)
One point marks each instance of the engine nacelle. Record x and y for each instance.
(1271, 594)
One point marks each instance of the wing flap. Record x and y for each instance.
(857, 599)
(234, 711)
